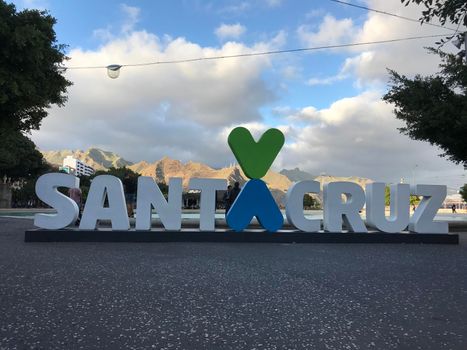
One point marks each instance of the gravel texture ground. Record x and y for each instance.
(230, 296)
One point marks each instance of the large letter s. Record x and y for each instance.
(67, 209)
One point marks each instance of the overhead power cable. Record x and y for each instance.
(253, 54)
(390, 14)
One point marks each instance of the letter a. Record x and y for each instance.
(255, 199)
(101, 187)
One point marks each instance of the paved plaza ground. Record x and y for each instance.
(230, 296)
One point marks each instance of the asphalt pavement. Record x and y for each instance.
(230, 295)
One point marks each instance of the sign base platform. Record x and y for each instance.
(229, 236)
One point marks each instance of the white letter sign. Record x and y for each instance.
(67, 209)
(208, 189)
(294, 207)
(422, 220)
(111, 187)
(149, 195)
(399, 207)
(335, 210)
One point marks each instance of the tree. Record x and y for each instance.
(434, 108)
(308, 201)
(19, 157)
(128, 177)
(30, 76)
(387, 197)
(444, 10)
(30, 82)
(24, 193)
(463, 192)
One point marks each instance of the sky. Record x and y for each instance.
(327, 102)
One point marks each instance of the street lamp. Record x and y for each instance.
(113, 71)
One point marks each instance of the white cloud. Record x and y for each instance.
(291, 72)
(236, 7)
(358, 136)
(331, 31)
(103, 34)
(232, 31)
(34, 4)
(316, 12)
(176, 110)
(327, 80)
(274, 3)
(370, 63)
(131, 17)
(186, 111)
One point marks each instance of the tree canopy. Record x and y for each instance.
(30, 82)
(387, 197)
(129, 177)
(434, 108)
(19, 157)
(308, 201)
(463, 192)
(445, 10)
(30, 77)
(26, 192)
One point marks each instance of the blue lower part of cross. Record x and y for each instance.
(255, 200)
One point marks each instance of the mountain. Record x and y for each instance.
(296, 175)
(362, 181)
(162, 170)
(166, 168)
(95, 157)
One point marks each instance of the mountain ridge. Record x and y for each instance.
(165, 168)
(296, 174)
(93, 156)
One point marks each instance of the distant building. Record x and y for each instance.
(455, 199)
(76, 167)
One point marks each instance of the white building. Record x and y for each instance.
(75, 166)
(454, 199)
